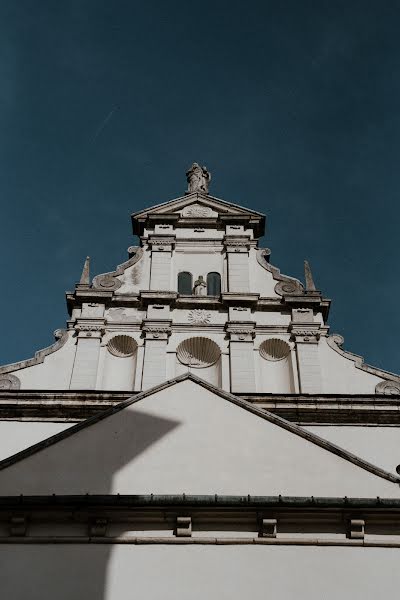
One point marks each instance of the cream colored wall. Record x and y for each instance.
(187, 439)
(104, 572)
(52, 374)
(340, 375)
(378, 445)
(17, 435)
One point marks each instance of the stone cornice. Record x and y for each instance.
(302, 409)
(304, 520)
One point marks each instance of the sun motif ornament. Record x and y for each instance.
(197, 316)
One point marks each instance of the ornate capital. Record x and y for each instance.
(241, 331)
(161, 243)
(93, 328)
(305, 333)
(157, 330)
(236, 244)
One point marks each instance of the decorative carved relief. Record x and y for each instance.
(197, 210)
(109, 281)
(9, 382)
(197, 316)
(198, 352)
(286, 285)
(389, 388)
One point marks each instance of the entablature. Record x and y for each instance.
(302, 409)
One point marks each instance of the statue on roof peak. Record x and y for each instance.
(198, 179)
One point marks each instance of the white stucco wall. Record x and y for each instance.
(186, 439)
(340, 375)
(379, 445)
(104, 572)
(17, 435)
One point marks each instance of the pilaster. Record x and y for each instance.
(237, 251)
(84, 372)
(155, 354)
(306, 335)
(161, 254)
(241, 350)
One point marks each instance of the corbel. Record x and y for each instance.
(18, 525)
(268, 528)
(356, 529)
(183, 527)
(97, 527)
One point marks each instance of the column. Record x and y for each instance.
(155, 352)
(84, 371)
(241, 351)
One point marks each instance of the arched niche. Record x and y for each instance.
(120, 363)
(213, 284)
(200, 356)
(276, 369)
(185, 283)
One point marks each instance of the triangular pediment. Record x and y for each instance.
(178, 205)
(198, 206)
(186, 436)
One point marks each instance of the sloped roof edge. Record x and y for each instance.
(268, 416)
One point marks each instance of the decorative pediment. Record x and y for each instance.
(197, 205)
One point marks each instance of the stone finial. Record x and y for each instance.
(85, 277)
(310, 285)
(198, 179)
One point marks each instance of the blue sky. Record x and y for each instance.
(293, 106)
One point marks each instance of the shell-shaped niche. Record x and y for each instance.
(198, 352)
(274, 349)
(122, 346)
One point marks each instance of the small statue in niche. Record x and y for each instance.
(200, 287)
(198, 179)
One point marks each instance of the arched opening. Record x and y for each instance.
(185, 283)
(213, 284)
(202, 357)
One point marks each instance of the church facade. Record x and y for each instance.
(197, 430)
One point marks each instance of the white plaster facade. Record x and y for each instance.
(213, 410)
(197, 234)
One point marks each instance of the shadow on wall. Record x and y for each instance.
(63, 571)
